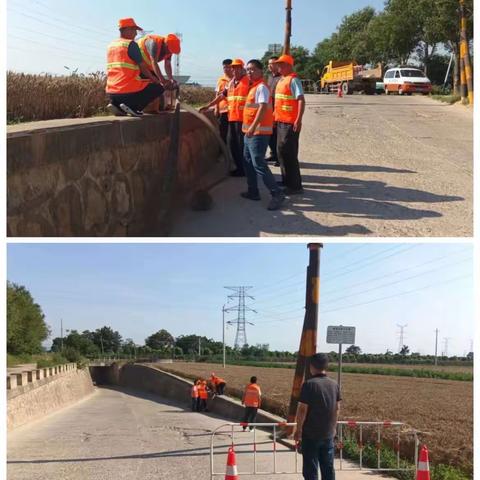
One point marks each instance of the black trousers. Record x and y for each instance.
(250, 415)
(223, 126)
(194, 404)
(139, 100)
(221, 388)
(273, 143)
(235, 143)
(287, 151)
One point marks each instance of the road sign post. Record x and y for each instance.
(340, 335)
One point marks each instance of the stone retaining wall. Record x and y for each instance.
(172, 387)
(41, 395)
(105, 176)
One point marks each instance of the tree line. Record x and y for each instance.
(425, 32)
(27, 330)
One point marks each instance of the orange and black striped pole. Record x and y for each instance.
(288, 28)
(308, 342)
(464, 52)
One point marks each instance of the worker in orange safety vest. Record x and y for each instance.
(202, 396)
(129, 93)
(221, 109)
(258, 127)
(289, 110)
(218, 384)
(194, 396)
(252, 399)
(236, 95)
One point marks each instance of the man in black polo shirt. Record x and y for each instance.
(317, 415)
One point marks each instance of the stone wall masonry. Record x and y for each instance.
(46, 396)
(105, 176)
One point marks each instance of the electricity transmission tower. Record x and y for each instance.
(176, 68)
(401, 334)
(241, 308)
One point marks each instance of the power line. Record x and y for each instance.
(62, 22)
(36, 32)
(398, 271)
(394, 282)
(397, 251)
(55, 48)
(397, 294)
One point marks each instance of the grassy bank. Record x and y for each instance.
(389, 460)
(42, 360)
(450, 99)
(46, 97)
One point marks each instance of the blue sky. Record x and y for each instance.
(138, 289)
(47, 35)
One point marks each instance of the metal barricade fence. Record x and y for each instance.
(378, 427)
(231, 431)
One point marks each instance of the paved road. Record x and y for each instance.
(116, 435)
(372, 165)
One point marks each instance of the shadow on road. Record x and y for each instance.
(191, 452)
(353, 168)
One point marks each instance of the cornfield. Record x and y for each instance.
(44, 97)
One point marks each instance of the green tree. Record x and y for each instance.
(26, 326)
(405, 350)
(107, 340)
(354, 350)
(159, 340)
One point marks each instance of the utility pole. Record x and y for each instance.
(223, 334)
(308, 342)
(464, 52)
(199, 346)
(241, 308)
(288, 28)
(400, 343)
(436, 345)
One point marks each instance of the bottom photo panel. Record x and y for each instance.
(224, 361)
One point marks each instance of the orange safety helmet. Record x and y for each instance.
(173, 43)
(128, 22)
(238, 62)
(285, 59)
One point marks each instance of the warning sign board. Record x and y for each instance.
(341, 334)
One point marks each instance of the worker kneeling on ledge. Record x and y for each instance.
(129, 93)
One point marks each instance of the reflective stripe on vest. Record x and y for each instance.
(236, 98)
(265, 127)
(159, 40)
(252, 395)
(222, 84)
(123, 74)
(286, 105)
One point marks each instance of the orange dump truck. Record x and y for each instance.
(350, 77)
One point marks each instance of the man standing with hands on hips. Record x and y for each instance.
(289, 110)
(317, 416)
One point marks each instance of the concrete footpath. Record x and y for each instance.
(120, 434)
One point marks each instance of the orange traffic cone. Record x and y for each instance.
(231, 473)
(423, 469)
(339, 91)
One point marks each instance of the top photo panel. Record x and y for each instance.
(251, 119)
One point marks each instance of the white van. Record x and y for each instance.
(407, 80)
